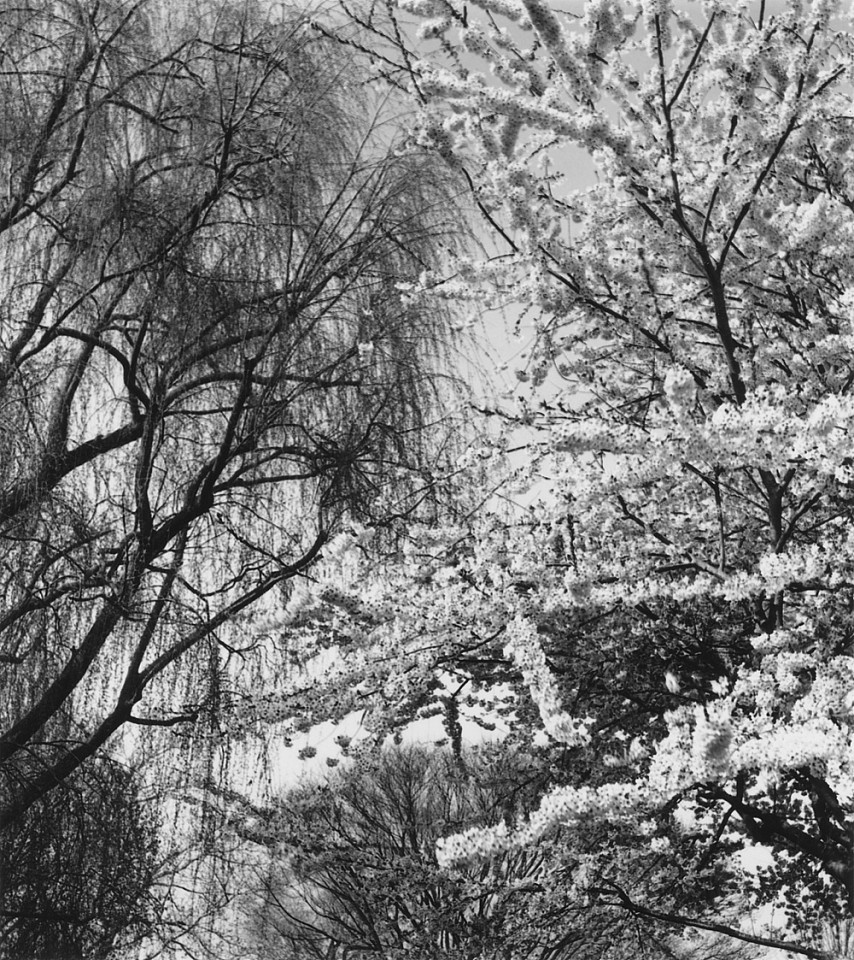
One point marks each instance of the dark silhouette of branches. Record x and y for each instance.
(77, 868)
(206, 361)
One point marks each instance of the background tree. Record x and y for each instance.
(357, 873)
(78, 868)
(206, 364)
(352, 868)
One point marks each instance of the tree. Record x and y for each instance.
(678, 601)
(78, 867)
(352, 869)
(357, 871)
(206, 365)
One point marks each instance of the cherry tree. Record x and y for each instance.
(673, 610)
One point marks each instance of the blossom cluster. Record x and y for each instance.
(478, 843)
(524, 648)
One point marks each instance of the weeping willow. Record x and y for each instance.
(207, 366)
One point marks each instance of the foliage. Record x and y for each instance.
(677, 598)
(206, 365)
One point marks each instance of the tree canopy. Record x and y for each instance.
(223, 316)
(673, 609)
(206, 365)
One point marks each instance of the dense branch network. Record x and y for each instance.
(206, 364)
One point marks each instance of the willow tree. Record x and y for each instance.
(206, 365)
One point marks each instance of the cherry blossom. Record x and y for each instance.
(682, 575)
